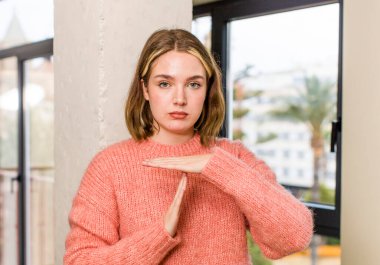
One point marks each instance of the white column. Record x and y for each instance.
(96, 46)
(360, 229)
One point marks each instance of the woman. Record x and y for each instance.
(174, 193)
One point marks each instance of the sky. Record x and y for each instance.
(35, 16)
(280, 41)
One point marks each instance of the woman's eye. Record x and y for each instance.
(163, 84)
(194, 85)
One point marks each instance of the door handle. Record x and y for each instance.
(336, 127)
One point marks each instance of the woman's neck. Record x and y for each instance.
(166, 138)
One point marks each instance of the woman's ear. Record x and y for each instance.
(145, 90)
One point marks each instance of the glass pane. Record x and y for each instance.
(24, 21)
(40, 122)
(283, 85)
(8, 161)
(201, 28)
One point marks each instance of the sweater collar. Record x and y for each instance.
(189, 147)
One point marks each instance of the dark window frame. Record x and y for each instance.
(326, 217)
(24, 53)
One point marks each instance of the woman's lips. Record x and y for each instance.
(178, 115)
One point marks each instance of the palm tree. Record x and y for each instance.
(314, 106)
(240, 93)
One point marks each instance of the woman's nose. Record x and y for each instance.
(180, 97)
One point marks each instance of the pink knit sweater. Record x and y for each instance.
(117, 214)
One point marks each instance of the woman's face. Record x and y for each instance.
(176, 92)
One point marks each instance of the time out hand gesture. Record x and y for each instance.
(192, 164)
(172, 216)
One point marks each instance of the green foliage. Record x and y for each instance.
(266, 138)
(246, 94)
(313, 105)
(240, 94)
(332, 241)
(250, 93)
(327, 135)
(238, 113)
(256, 255)
(238, 134)
(326, 195)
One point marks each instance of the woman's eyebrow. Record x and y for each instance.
(163, 76)
(171, 77)
(196, 77)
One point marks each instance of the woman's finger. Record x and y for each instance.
(166, 161)
(180, 164)
(172, 215)
(180, 192)
(193, 164)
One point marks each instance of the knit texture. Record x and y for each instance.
(117, 213)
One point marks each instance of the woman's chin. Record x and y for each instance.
(181, 130)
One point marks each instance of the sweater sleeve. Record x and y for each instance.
(279, 223)
(94, 228)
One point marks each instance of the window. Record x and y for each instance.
(23, 21)
(280, 57)
(8, 162)
(201, 27)
(274, 55)
(26, 154)
(26, 132)
(40, 141)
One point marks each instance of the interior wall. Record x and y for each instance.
(360, 230)
(96, 45)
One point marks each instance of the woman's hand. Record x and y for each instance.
(192, 164)
(172, 216)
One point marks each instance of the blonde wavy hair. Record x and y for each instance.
(138, 116)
